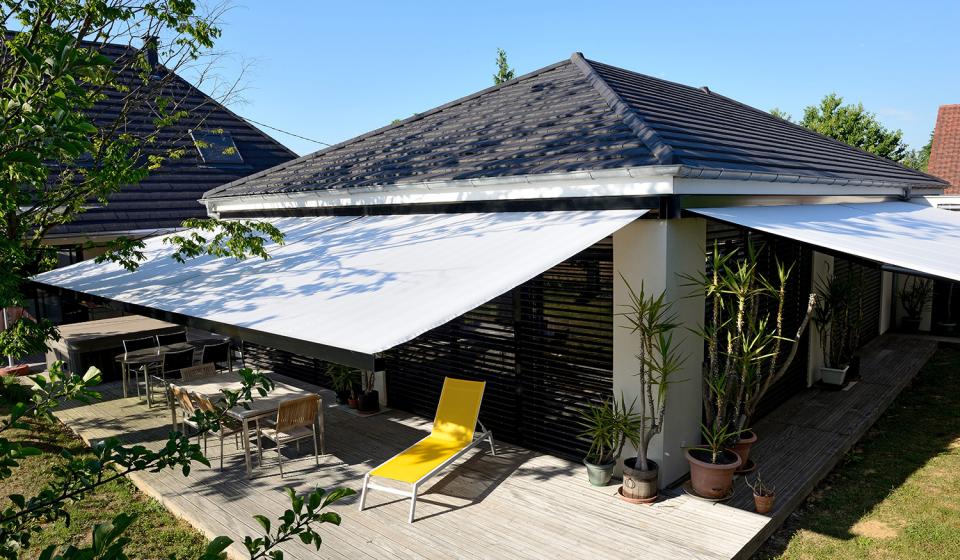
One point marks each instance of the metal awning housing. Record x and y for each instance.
(909, 236)
(352, 285)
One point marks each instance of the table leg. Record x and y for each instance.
(173, 413)
(321, 426)
(246, 447)
(146, 381)
(123, 378)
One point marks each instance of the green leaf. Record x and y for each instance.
(264, 522)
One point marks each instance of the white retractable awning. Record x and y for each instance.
(359, 285)
(906, 235)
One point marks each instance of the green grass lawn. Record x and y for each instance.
(156, 533)
(897, 494)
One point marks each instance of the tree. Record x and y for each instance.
(919, 159)
(504, 72)
(853, 125)
(60, 150)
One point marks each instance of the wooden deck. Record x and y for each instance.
(519, 504)
(806, 437)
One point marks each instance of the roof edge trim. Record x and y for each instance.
(661, 150)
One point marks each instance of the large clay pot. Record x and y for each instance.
(599, 475)
(638, 485)
(743, 446)
(712, 480)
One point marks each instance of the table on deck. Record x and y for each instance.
(260, 407)
(150, 356)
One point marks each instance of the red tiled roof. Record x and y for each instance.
(945, 152)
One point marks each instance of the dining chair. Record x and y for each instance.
(296, 421)
(197, 372)
(171, 338)
(217, 354)
(132, 345)
(228, 427)
(187, 409)
(172, 362)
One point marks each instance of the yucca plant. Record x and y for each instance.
(608, 426)
(837, 314)
(744, 336)
(650, 317)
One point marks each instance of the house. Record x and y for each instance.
(487, 238)
(170, 194)
(945, 148)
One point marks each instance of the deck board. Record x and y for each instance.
(518, 504)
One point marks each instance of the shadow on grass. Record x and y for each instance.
(921, 424)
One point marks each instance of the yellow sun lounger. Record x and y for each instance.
(453, 435)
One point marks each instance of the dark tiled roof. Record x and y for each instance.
(579, 115)
(170, 194)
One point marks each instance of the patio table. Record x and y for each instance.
(261, 407)
(150, 356)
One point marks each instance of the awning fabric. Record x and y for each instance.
(911, 236)
(362, 284)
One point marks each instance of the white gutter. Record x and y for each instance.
(656, 180)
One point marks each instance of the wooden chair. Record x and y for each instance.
(197, 372)
(228, 427)
(296, 421)
(187, 409)
(132, 345)
(171, 338)
(217, 354)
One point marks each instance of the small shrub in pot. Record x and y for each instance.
(914, 297)
(607, 426)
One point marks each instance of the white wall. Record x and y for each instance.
(926, 321)
(657, 252)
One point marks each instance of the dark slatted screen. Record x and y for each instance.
(545, 350)
(869, 279)
(798, 291)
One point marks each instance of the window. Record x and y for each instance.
(216, 147)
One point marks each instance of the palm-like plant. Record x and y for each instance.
(608, 426)
(744, 338)
(837, 314)
(650, 317)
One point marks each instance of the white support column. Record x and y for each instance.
(657, 253)
(822, 264)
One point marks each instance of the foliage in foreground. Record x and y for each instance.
(78, 476)
(897, 494)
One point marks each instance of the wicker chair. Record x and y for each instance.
(296, 421)
(187, 409)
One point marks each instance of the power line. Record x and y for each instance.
(285, 131)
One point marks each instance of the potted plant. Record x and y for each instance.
(343, 379)
(607, 426)
(369, 397)
(747, 348)
(914, 296)
(649, 317)
(763, 495)
(713, 465)
(837, 314)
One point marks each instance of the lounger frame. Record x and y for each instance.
(478, 438)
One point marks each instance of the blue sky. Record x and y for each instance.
(331, 71)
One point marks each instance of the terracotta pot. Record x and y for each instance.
(712, 480)
(599, 475)
(639, 485)
(743, 445)
(353, 402)
(763, 504)
(20, 369)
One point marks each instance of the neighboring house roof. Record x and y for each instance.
(579, 115)
(945, 149)
(170, 194)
